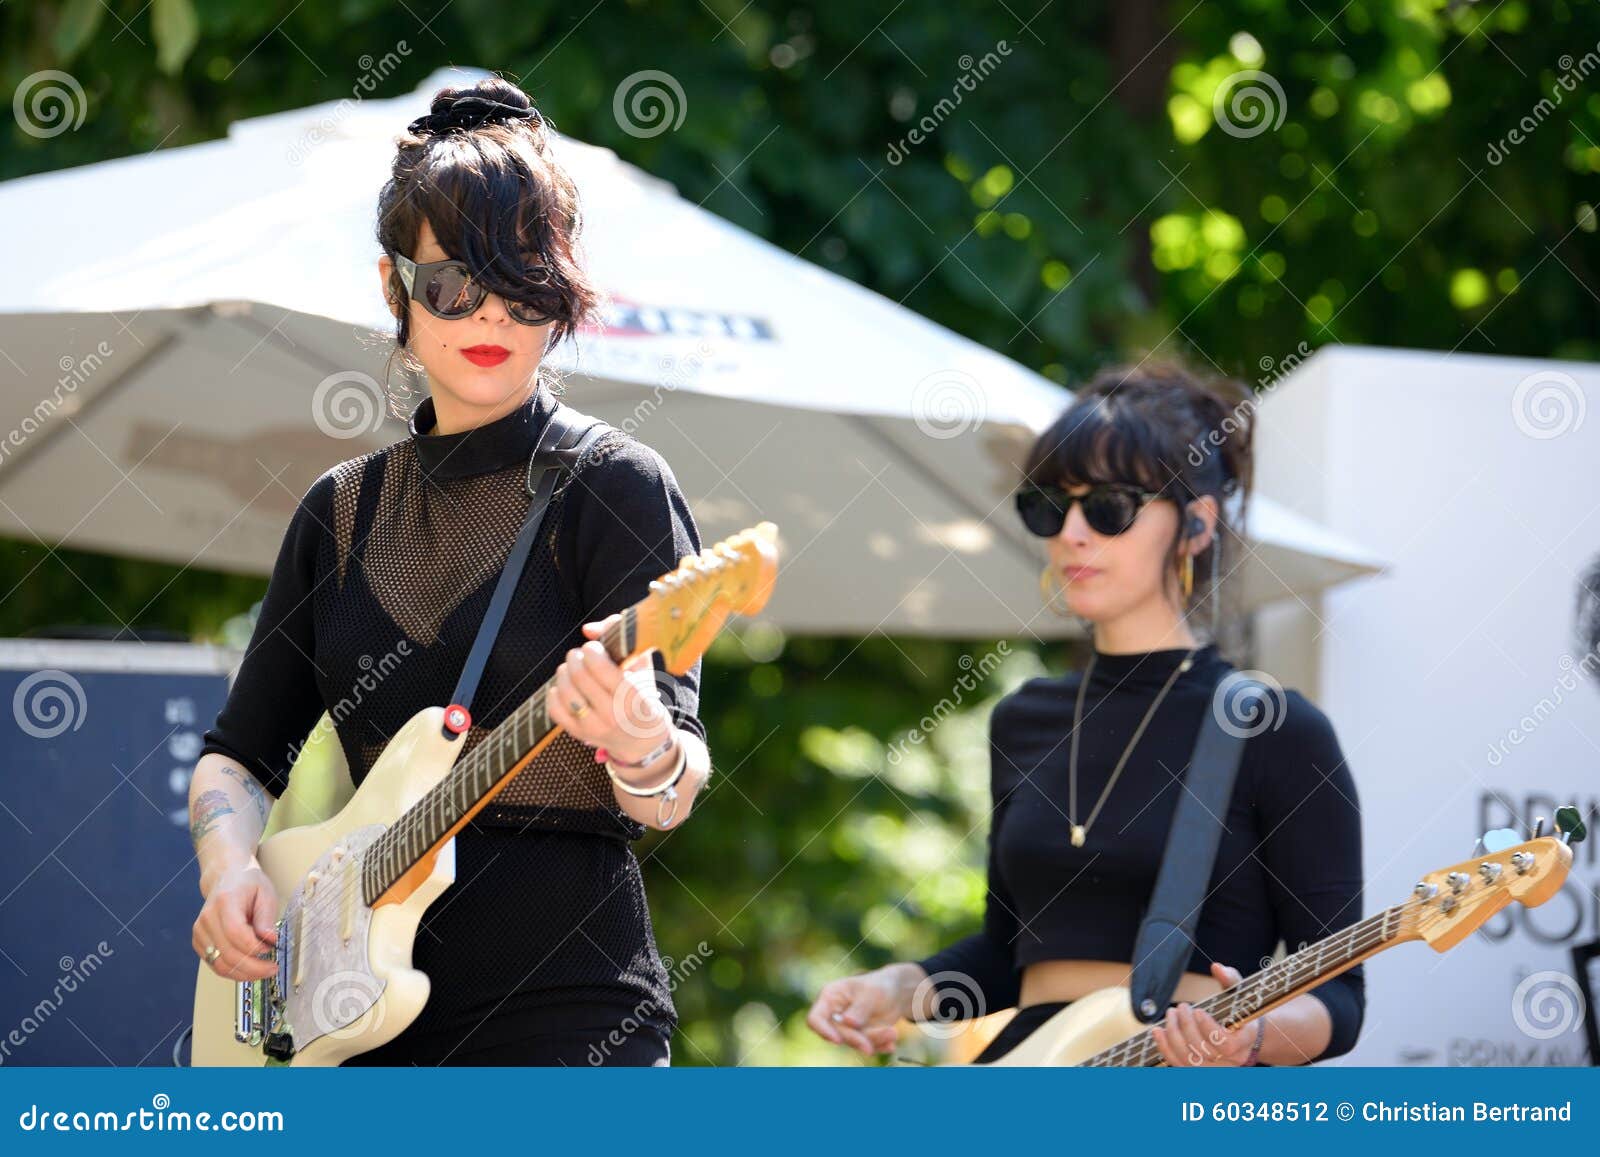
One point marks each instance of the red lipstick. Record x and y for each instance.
(486, 355)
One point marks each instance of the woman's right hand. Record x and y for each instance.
(861, 1012)
(239, 917)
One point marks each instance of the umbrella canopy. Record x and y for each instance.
(188, 354)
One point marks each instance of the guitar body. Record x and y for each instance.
(351, 986)
(1085, 1027)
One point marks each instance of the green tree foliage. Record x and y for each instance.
(1236, 181)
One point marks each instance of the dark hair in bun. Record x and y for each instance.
(479, 168)
(1159, 425)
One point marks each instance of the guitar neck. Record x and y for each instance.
(1260, 993)
(477, 776)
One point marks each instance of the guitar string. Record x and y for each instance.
(417, 821)
(405, 829)
(1283, 976)
(1225, 1002)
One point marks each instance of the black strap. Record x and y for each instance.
(1166, 935)
(566, 436)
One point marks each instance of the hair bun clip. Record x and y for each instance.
(470, 112)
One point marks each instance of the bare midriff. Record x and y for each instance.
(1055, 980)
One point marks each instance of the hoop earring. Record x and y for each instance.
(1051, 593)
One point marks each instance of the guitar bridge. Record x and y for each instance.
(258, 1004)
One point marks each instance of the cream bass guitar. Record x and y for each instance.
(1100, 1030)
(354, 884)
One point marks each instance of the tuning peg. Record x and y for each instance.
(1569, 822)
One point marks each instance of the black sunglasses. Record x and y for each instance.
(447, 290)
(1108, 507)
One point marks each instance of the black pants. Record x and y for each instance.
(1018, 1029)
(601, 1039)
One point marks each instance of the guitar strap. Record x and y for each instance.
(566, 436)
(1166, 934)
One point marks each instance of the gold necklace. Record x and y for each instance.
(1080, 832)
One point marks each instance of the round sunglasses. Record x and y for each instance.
(447, 290)
(1108, 507)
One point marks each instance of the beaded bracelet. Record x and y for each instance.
(601, 755)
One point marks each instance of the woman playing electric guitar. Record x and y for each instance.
(542, 951)
(1132, 487)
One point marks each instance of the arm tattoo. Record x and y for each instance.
(252, 788)
(208, 812)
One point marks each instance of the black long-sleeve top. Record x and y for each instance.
(1288, 865)
(385, 572)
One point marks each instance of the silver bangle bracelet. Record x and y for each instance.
(666, 790)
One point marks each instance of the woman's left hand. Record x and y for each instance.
(1192, 1037)
(602, 704)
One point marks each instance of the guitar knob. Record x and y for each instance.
(1425, 890)
(1458, 881)
(1491, 872)
(1522, 861)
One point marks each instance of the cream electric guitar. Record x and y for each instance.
(1099, 1030)
(353, 886)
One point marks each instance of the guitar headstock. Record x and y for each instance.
(1449, 904)
(685, 609)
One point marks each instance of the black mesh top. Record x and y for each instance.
(384, 575)
(1288, 865)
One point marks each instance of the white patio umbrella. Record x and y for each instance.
(200, 334)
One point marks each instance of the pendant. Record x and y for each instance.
(1078, 835)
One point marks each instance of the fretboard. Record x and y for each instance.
(475, 776)
(1259, 992)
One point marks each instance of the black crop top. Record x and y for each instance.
(1288, 865)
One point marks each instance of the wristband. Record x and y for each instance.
(1255, 1049)
(601, 755)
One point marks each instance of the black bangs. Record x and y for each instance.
(1101, 439)
(477, 199)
